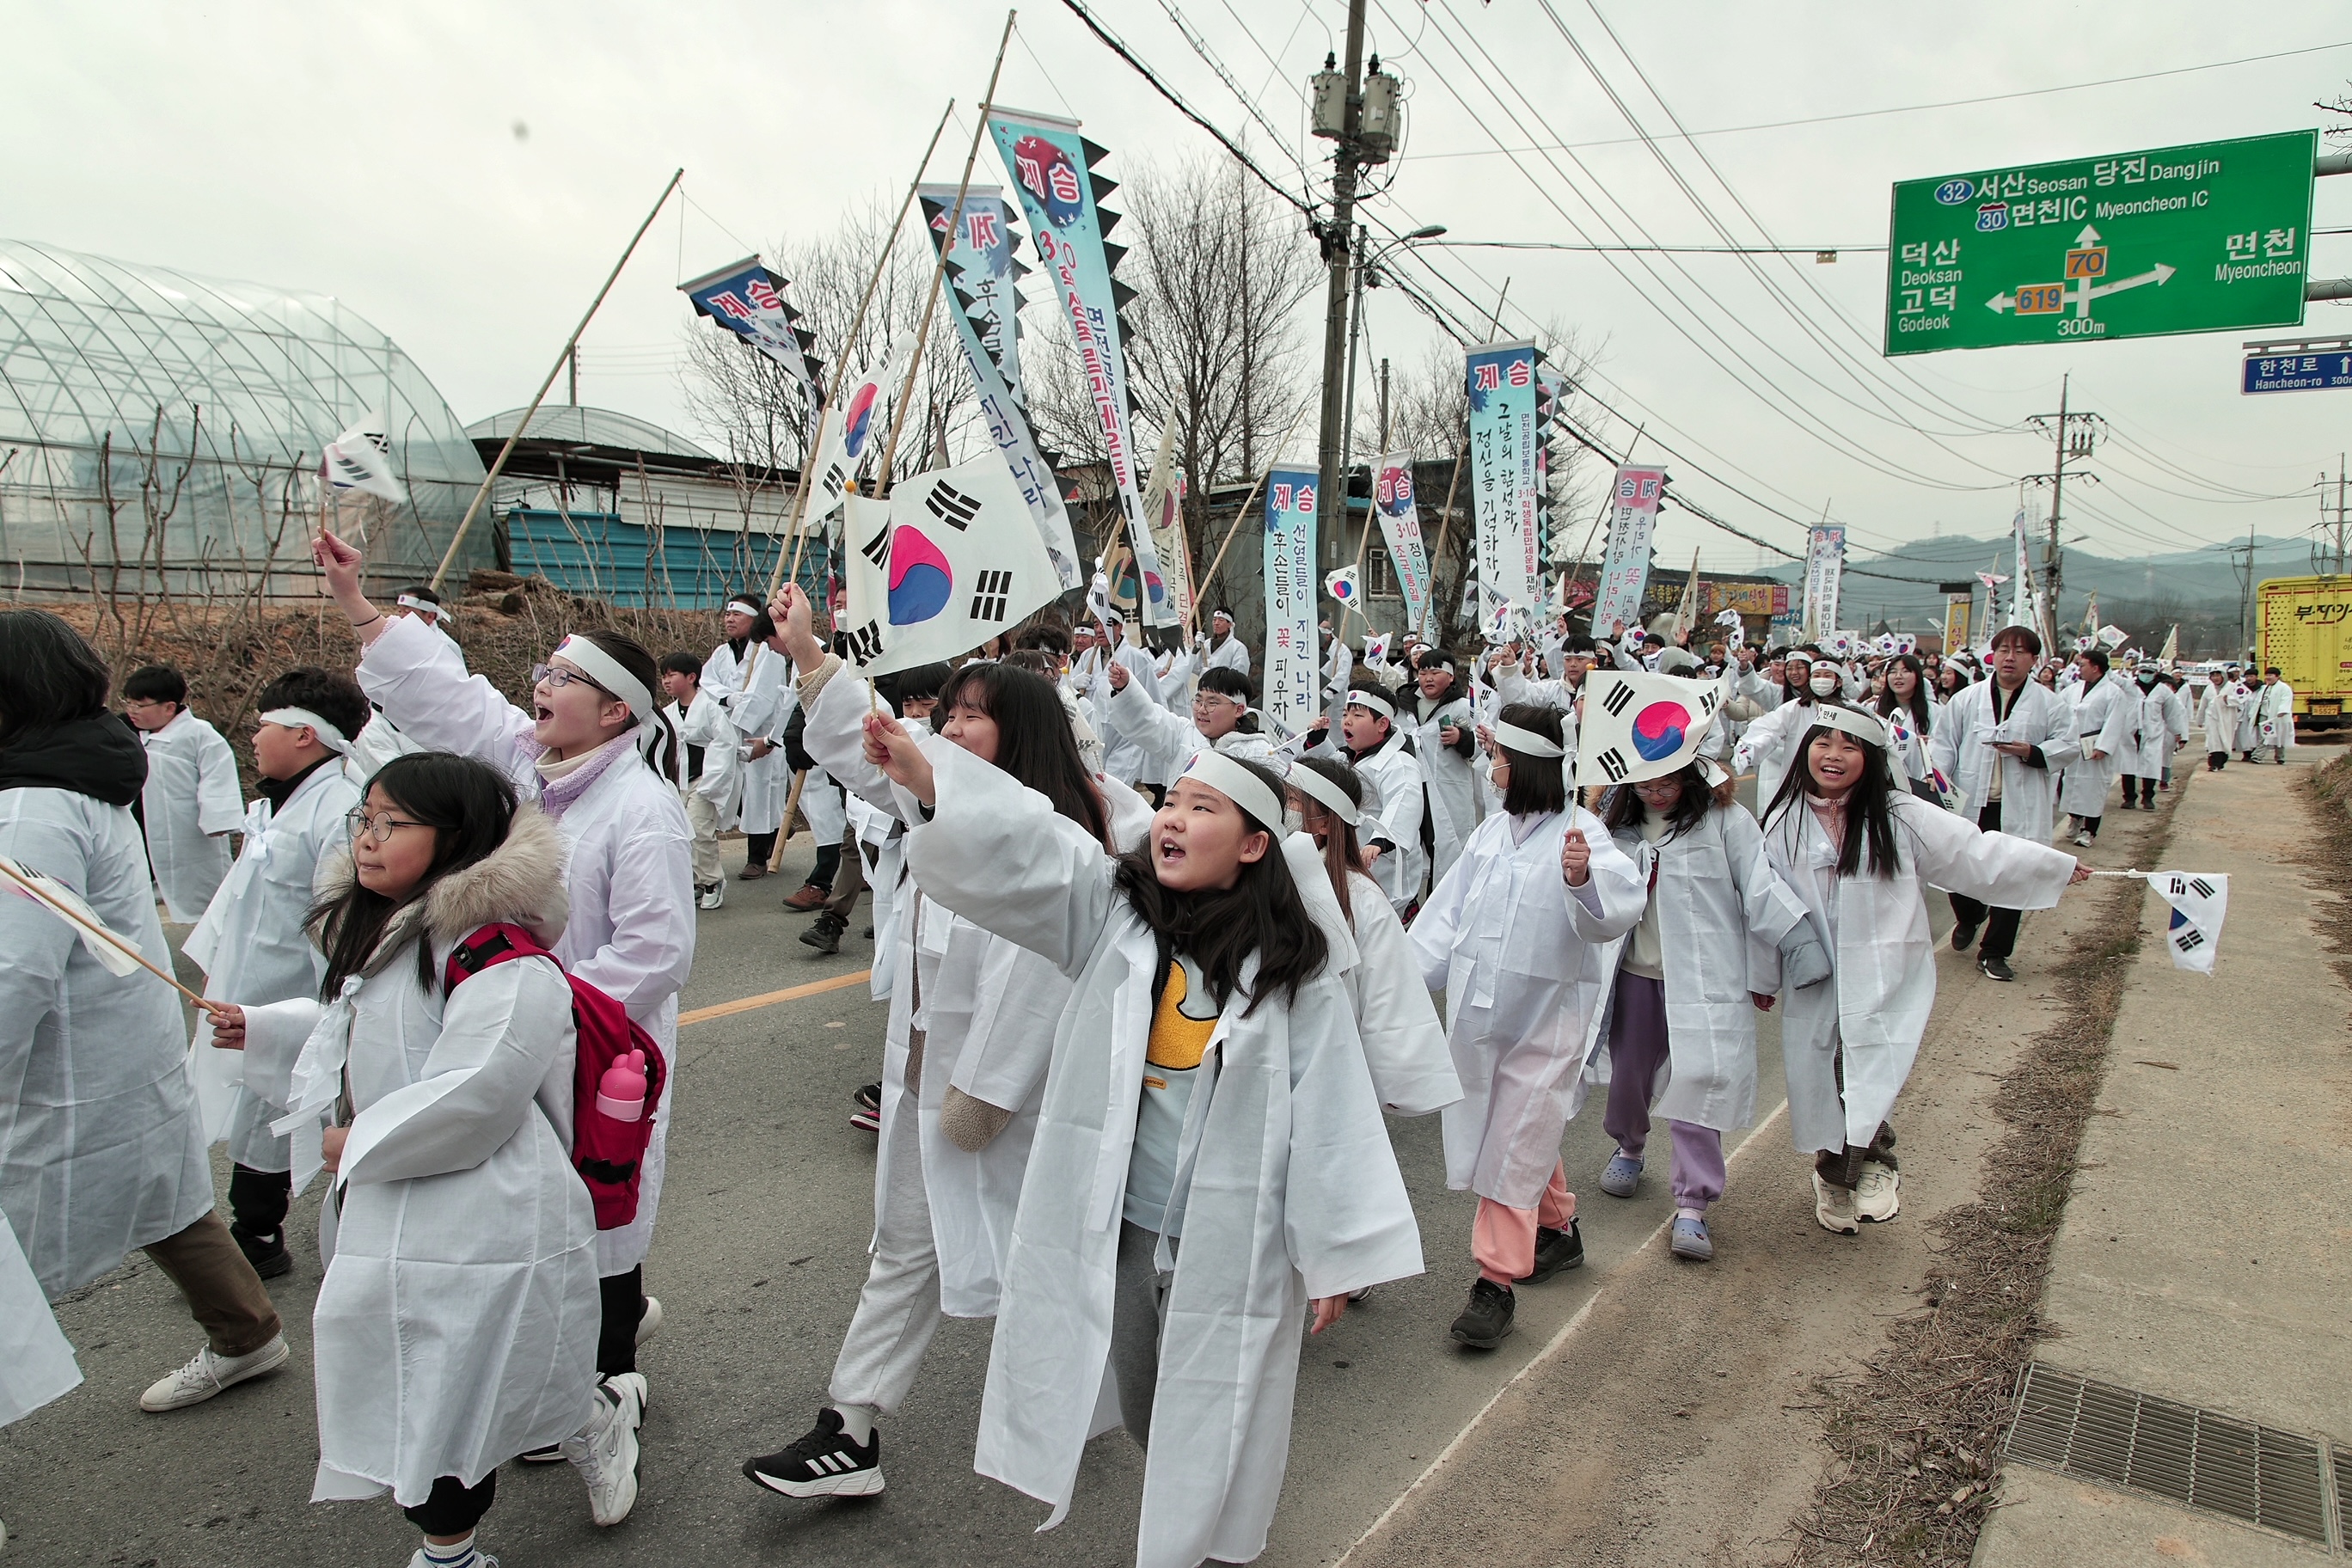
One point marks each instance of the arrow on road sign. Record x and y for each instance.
(2156, 275)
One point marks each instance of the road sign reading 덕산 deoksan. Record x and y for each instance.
(2201, 238)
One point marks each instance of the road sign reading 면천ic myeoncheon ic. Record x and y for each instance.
(2208, 237)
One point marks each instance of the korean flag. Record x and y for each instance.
(1638, 727)
(949, 560)
(2199, 900)
(361, 459)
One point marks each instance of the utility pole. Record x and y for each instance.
(1338, 236)
(1384, 418)
(574, 369)
(2072, 435)
(2339, 567)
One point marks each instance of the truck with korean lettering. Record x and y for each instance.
(2303, 626)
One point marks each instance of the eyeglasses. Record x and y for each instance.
(550, 675)
(1212, 699)
(376, 829)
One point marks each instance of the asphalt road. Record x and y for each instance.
(759, 1253)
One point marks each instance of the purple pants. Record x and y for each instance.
(1638, 1066)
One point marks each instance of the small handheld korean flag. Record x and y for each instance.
(103, 942)
(1376, 649)
(1638, 727)
(1341, 585)
(949, 560)
(361, 459)
(2199, 900)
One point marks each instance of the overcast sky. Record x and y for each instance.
(463, 175)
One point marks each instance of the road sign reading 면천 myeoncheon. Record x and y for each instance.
(2208, 238)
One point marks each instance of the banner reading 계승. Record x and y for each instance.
(1503, 484)
(1050, 164)
(1625, 568)
(1400, 515)
(1288, 694)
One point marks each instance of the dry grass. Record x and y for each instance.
(1914, 1435)
(2327, 790)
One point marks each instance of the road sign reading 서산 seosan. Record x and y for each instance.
(2208, 238)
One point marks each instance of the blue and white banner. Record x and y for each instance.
(979, 258)
(1399, 514)
(1287, 697)
(1503, 479)
(949, 561)
(1050, 164)
(1625, 566)
(749, 300)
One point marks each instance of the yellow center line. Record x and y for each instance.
(770, 998)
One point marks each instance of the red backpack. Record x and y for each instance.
(608, 1152)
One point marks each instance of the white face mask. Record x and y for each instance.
(1294, 820)
(1823, 685)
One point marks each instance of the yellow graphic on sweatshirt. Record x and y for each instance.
(1179, 1034)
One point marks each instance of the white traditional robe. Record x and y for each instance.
(1963, 749)
(1872, 1011)
(37, 1364)
(1722, 911)
(706, 724)
(1404, 1040)
(1523, 959)
(191, 804)
(1771, 745)
(631, 869)
(2147, 729)
(2102, 723)
(754, 691)
(1294, 1191)
(1393, 812)
(1448, 776)
(2277, 715)
(1230, 654)
(2250, 711)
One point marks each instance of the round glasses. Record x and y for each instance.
(376, 829)
(551, 674)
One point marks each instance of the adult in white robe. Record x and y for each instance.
(2033, 716)
(1294, 1193)
(1223, 648)
(2103, 710)
(752, 689)
(1447, 771)
(2148, 714)
(2275, 716)
(2250, 720)
(192, 802)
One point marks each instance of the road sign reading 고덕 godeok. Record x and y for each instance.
(2208, 238)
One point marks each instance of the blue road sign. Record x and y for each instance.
(2298, 372)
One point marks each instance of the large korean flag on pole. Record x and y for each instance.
(2199, 899)
(1638, 727)
(949, 560)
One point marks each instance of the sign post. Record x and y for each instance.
(2207, 238)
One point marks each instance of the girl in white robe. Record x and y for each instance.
(1439, 706)
(751, 685)
(1206, 1071)
(629, 875)
(1519, 937)
(1689, 981)
(456, 1324)
(971, 1031)
(1862, 852)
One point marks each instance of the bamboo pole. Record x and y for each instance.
(848, 346)
(1444, 530)
(571, 343)
(31, 888)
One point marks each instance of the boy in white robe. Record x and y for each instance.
(191, 801)
(706, 770)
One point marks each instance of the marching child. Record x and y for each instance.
(191, 801)
(456, 1327)
(1220, 717)
(706, 782)
(1518, 936)
(1682, 1033)
(1381, 751)
(1445, 738)
(252, 945)
(1862, 852)
(1210, 1160)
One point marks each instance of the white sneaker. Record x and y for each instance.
(208, 1374)
(1879, 1197)
(712, 897)
(650, 1324)
(605, 1453)
(635, 1383)
(2083, 839)
(1833, 1207)
(482, 1559)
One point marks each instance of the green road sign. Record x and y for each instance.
(2208, 238)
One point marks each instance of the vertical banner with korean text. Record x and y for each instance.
(1050, 166)
(1400, 515)
(1825, 565)
(1502, 384)
(1163, 512)
(985, 307)
(1291, 674)
(1625, 568)
(1956, 622)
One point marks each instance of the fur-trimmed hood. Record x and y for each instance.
(520, 881)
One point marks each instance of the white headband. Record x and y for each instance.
(607, 672)
(1527, 743)
(746, 606)
(1378, 704)
(410, 602)
(334, 740)
(1308, 781)
(1238, 784)
(1220, 616)
(1862, 726)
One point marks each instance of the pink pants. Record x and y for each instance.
(1503, 1239)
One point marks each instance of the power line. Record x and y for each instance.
(1655, 249)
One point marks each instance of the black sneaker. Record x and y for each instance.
(825, 933)
(869, 1094)
(1964, 935)
(1997, 969)
(1556, 1252)
(268, 1254)
(1486, 1321)
(826, 1463)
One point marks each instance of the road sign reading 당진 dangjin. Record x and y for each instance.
(2201, 238)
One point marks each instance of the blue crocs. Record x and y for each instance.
(1623, 1175)
(1691, 1240)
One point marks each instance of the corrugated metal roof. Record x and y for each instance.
(590, 427)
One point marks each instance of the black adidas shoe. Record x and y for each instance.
(1485, 1321)
(826, 1463)
(869, 1094)
(1557, 1251)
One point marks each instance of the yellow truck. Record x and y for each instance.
(2303, 626)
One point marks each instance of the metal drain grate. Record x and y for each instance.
(2201, 1458)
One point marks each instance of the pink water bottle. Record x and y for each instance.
(621, 1093)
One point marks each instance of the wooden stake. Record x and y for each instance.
(848, 346)
(1239, 518)
(570, 344)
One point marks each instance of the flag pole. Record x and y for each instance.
(1445, 527)
(112, 938)
(849, 345)
(457, 539)
(940, 267)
